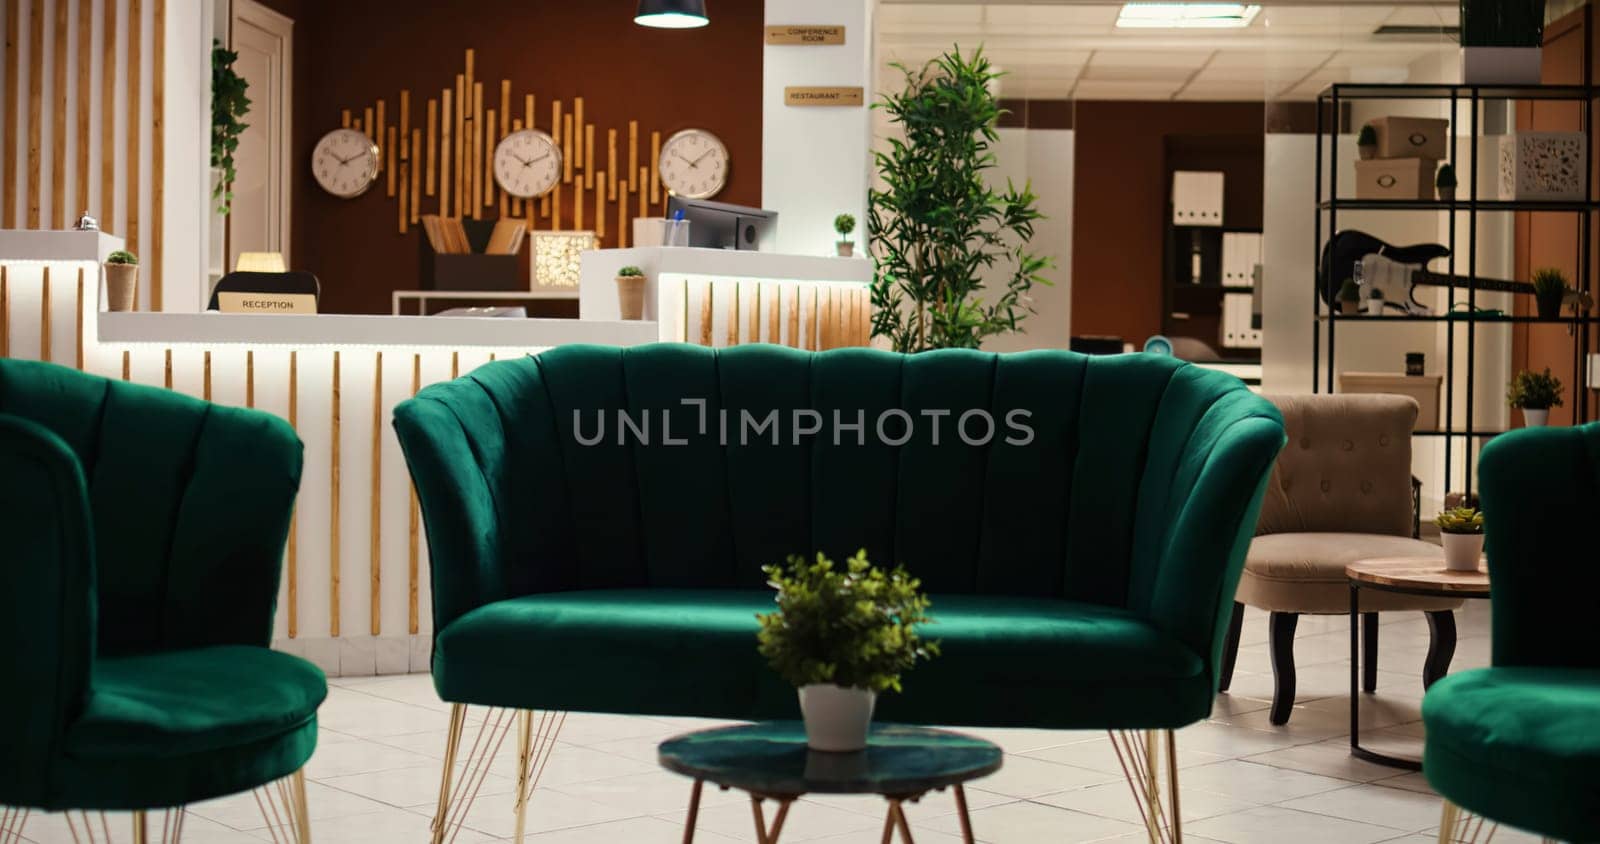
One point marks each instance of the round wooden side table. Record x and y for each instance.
(1408, 576)
(770, 760)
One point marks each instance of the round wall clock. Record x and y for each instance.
(527, 163)
(694, 164)
(345, 163)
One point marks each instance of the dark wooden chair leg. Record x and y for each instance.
(1441, 646)
(1230, 646)
(1280, 635)
(1369, 652)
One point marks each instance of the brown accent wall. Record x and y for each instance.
(351, 52)
(1120, 201)
(1551, 240)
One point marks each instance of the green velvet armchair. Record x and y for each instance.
(1519, 742)
(141, 540)
(1081, 572)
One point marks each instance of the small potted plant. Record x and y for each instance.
(1349, 297)
(122, 281)
(1367, 143)
(1374, 302)
(1461, 531)
(1445, 183)
(841, 637)
(630, 292)
(1549, 292)
(1535, 393)
(844, 224)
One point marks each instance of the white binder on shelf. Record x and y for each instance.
(1196, 198)
(1241, 252)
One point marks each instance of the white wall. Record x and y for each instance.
(1044, 157)
(815, 161)
(186, 118)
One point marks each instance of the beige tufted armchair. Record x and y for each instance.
(1340, 492)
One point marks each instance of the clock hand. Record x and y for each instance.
(681, 158)
(696, 162)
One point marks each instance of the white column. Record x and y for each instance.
(816, 160)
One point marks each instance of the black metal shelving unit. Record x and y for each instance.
(1329, 204)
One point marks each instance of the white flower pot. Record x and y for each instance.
(1462, 550)
(1500, 65)
(836, 718)
(1535, 417)
(1374, 307)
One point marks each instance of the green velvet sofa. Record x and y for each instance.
(143, 536)
(1080, 580)
(1519, 742)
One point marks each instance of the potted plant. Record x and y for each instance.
(1500, 41)
(630, 292)
(1367, 142)
(1461, 531)
(842, 637)
(122, 281)
(1549, 291)
(1349, 297)
(952, 261)
(1535, 393)
(1374, 302)
(1445, 183)
(844, 224)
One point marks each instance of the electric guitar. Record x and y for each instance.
(1397, 272)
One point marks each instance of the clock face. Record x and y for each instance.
(694, 164)
(527, 163)
(345, 163)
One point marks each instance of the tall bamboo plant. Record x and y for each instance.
(936, 226)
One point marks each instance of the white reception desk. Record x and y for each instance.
(355, 597)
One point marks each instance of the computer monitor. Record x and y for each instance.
(718, 225)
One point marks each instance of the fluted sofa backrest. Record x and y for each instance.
(1080, 505)
(189, 504)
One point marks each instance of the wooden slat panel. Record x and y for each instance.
(379, 134)
(389, 143)
(8, 167)
(85, 100)
(600, 204)
(622, 216)
(446, 125)
(655, 162)
(58, 115)
(367, 125)
(416, 174)
(580, 160)
(108, 119)
(375, 558)
(158, 151)
(475, 151)
(753, 333)
(166, 380)
(794, 316)
(333, 508)
(461, 145)
(705, 314)
(588, 156)
(387, 155)
(567, 148)
(249, 378)
(733, 316)
(134, 66)
(205, 376)
(578, 194)
(633, 154)
(433, 144)
(487, 158)
(774, 311)
(611, 163)
(35, 110)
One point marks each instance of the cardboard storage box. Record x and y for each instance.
(1395, 178)
(1413, 137)
(1542, 166)
(1423, 388)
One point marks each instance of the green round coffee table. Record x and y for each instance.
(770, 760)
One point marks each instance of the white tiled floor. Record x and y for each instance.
(374, 777)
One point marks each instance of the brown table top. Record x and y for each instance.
(1420, 573)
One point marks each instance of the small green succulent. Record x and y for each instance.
(1460, 520)
(629, 272)
(122, 256)
(1534, 391)
(844, 224)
